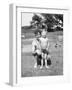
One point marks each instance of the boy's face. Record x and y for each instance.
(44, 36)
(44, 33)
(44, 30)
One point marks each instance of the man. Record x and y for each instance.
(36, 48)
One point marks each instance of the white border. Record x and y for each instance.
(17, 80)
(12, 45)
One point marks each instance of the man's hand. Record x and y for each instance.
(38, 52)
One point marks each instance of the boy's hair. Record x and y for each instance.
(37, 31)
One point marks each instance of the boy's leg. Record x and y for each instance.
(41, 62)
(48, 59)
(46, 65)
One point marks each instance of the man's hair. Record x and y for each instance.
(44, 27)
(37, 31)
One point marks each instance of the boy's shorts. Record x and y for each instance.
(48, 60)
(45, 51)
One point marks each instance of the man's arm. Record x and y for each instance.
(33, 47)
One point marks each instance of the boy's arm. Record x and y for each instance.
(47, 45)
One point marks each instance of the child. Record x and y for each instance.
(36, 48)
(44, 48)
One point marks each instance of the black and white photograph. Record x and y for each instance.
(41, 44)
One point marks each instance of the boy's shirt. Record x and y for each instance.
(35, 45)
(44, 43)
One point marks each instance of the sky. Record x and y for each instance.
(26, 18)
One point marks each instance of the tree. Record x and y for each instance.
(36, 21)
(53, 21)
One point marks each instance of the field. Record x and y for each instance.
(56, 51)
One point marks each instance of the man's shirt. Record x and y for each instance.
(36, 45)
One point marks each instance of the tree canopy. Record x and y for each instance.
(51, 21)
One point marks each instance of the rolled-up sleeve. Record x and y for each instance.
(33, 47)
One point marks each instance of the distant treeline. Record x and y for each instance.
(25, 29)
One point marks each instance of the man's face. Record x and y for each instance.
(38, 35)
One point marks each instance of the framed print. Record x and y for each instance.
(38, 45)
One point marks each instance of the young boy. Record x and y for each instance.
(36, 48)
(44, 48)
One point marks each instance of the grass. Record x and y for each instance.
(27, 60)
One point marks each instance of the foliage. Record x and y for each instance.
(51, 21)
